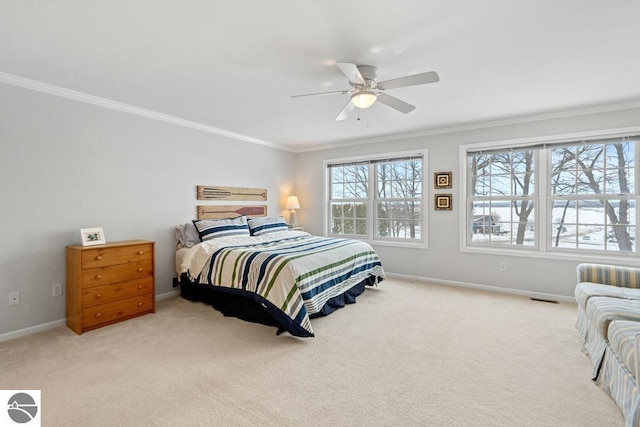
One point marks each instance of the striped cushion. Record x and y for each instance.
(260, 226)
(613, 275)
(602, 310)
(212, 228)
(586, 290)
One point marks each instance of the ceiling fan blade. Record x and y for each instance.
(342, 92)
(414, 80)
(346, 110)
(395, 103)
(352, 72)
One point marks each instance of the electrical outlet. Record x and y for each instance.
(57, 290)
(502, 266)
(14, 298)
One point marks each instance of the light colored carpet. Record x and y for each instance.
(407, 354)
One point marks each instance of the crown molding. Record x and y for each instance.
(62, 92)
(478, 125)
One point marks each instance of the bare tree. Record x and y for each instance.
(519, 166)
(351, 187)
(589, 159)
(598, 169)
(478, 164)
(561, 185)
(399, 184)
(525, 182)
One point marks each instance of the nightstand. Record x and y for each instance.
(296, 228)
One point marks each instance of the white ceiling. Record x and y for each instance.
(234, 65)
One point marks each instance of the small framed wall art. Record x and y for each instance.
(442, 180)
(92, 236)
(443, 202)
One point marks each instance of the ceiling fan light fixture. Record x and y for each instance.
(364, 98)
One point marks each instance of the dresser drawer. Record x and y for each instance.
(116, 291)
(100, 257)
(115, 311)
(115, 273)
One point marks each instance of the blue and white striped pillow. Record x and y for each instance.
(211, 228)
(271, 224)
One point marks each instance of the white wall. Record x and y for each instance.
(65, 165)
(443, 261)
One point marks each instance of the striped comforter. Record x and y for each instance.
(293, 272)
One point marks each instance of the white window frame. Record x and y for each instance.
(370, 237)
(535, 197)
(543, 247)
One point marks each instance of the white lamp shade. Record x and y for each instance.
(363, 98)
(292, 203)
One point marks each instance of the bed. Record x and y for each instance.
(273, 275)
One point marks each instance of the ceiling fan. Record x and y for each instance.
(367, 89)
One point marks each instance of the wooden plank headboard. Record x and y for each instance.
(230, 211)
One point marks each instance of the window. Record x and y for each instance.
(572, 196)
(349, 199)
(503, 199)
(591, 197)
(377, 199)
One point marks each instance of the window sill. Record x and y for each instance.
(406, 245)
(556, 255)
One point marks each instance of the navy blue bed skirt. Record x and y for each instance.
(250, 307)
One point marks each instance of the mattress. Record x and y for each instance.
(180, 252)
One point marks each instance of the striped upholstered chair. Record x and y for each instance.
(599, 280)
(608, 326)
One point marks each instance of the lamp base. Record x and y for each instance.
(293, 221)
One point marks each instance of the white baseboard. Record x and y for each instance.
(32, 330)
(530, 294)
(168, 295)
(61, 322)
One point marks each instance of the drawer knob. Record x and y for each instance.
(139, 286)
(140, 252)
(98, 276)
(99, 257)
(139, 304)
(98, 315)
(98, 295)
(139, 269)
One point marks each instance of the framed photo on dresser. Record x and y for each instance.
(92, 236)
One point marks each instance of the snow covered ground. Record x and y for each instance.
(586, 228)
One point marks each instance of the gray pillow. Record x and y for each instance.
(187, 235)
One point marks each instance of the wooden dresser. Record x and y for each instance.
(109, 283)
